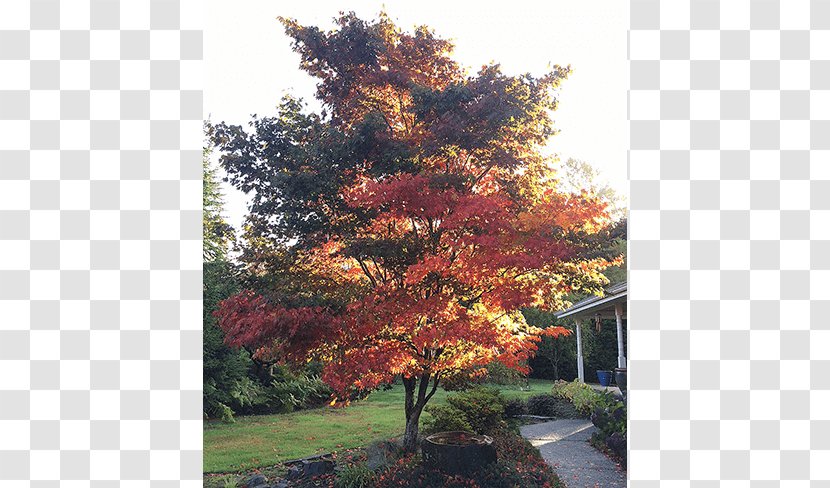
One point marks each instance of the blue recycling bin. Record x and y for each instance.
(604, 377)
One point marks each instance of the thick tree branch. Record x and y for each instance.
(435, 381)
(367, 272)
(381, 273)
(483, 173)
(422, 390)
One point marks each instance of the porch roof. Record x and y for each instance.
(604, 305)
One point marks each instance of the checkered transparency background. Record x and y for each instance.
(100, 243)
(730, 243)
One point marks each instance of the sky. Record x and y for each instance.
(250, 65)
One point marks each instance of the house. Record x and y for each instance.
(612, 305)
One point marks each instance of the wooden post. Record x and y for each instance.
(580, 370)
(620, 347)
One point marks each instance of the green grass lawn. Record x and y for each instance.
(265, 440)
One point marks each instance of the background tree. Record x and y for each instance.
(577, 175)
(217, 234)
(556, 357)
(225, 370)
(552, 353)
(404, 228)
(226, 383)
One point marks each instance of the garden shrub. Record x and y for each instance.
(610, 419)
(566, 389)
(220, 411)
(515, 407)
(223, 401)
(224, 370)
(607, 413)
(618, 444)
(483, 408)
(566, 410)
(542, 405)
(284, 396)
(314, 368)
(546, 405)
(286, 392)
(411, 472)
(445, 418)
(612, 429)
(584, 398)
(298, 392)
(235, 384)
(356, 475)
(479, 410)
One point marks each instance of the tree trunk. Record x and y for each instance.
(262, 370)
(410, 436)
(414, 406)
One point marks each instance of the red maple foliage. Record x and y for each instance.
(440, 228)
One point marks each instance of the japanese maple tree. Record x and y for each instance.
(399, 232)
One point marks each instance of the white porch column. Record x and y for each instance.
(620, 348)
(580, 370)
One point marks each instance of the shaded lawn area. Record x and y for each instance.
(265, 440)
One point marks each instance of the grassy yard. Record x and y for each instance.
(264, 440)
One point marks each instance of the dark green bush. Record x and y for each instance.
(295, 393)
(611, 428)
(551, 406)
(515, 407)
(483, 408)
(542, 405)
(566, 410)
(445, 418)
(226, 386)
(610, 419)
(617, 443)
(479, 410)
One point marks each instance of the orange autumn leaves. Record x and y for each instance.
(423, 213)
(457, 308)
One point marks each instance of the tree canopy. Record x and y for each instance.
(400, 231)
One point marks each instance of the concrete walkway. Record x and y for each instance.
(564, 445)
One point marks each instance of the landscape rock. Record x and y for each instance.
(256, 481)
(294, 473)
(317, 468)
(382, 453)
